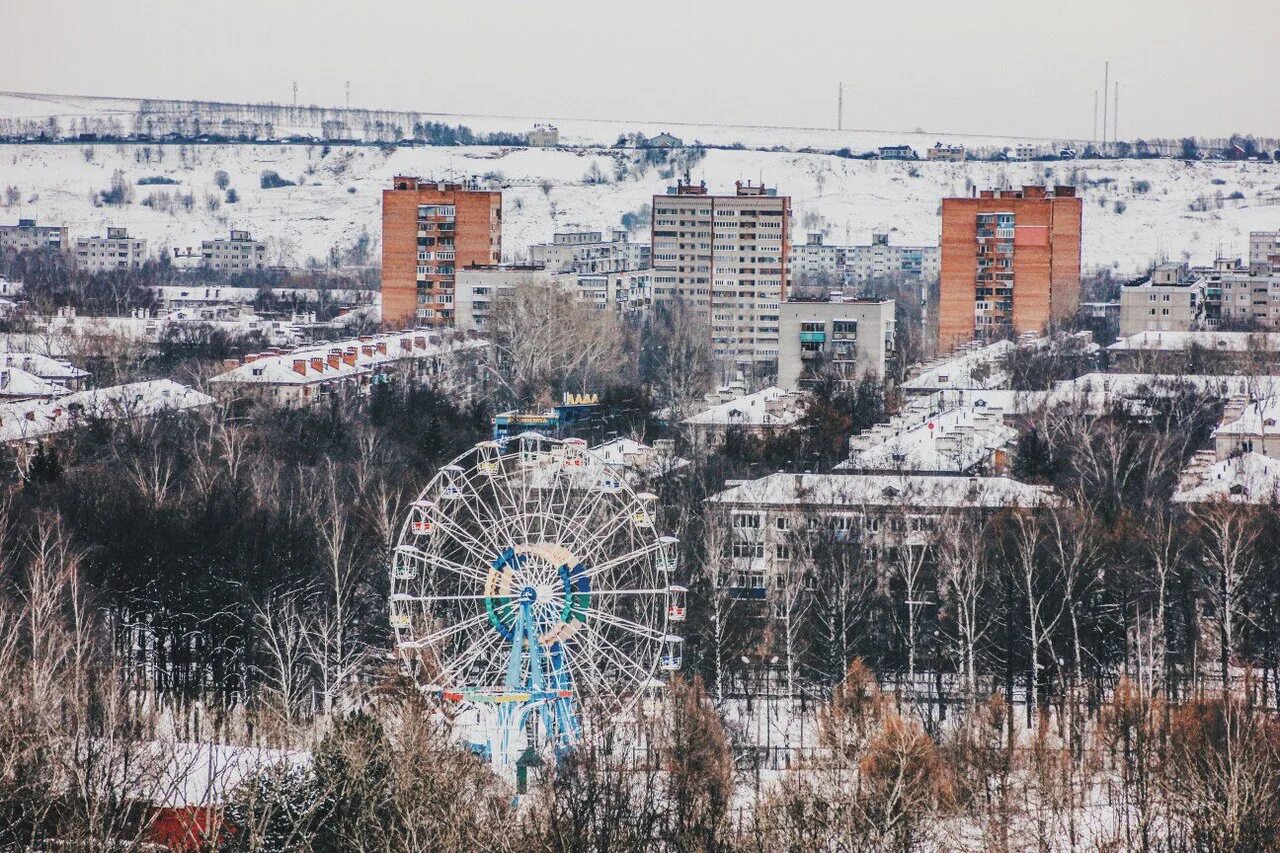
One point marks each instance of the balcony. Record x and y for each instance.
(813, 337)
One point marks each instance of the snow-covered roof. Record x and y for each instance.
(42, 366)
(34, 419)
(770, 407)
(641, 458)
(16, 382)
(951, 440)
(890, 490)
(342, 359)
(1213, 341)
(977, 367)
(1250, 478)
(1258, 418)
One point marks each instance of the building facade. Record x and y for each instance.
(946, 153)
(1171, 299)
(766, 527)
(116, 251)
(238, 253)
(850, 338)
(544, 136)
(429, 231)
(28, 236)
(726, 257)
(590, 252)
(479, 286)
(859, 265)
(1010, 263)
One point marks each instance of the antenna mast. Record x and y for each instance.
(840, 108)
(1106, 84)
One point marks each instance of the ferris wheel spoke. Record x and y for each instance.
(615, 656)
(486, 522)
(458, 666)
(614, 524)
(512, 511)
(587, 677)
(593, 571)
(469, 543)
(435, 560)
(470, 499)
(452, 630)
(624, 624)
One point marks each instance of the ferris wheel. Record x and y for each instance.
(530, 586)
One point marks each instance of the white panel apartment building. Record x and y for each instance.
(848, 265)
(116, 251)
(476, 288)
(590, 252)
(240, 253)
(27, 235)
(727, 257)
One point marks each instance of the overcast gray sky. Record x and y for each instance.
(1030, 68)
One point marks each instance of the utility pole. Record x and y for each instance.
(1095, 116)
(348, 94)
(295, 94)
(1115, 115)
(840, 108)
(1106, 84)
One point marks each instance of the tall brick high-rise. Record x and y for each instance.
(429, 229)
(1010, 263)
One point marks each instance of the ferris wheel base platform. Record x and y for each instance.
(498, 696)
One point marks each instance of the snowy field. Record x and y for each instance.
(1136, 211)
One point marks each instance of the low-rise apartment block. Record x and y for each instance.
(478, 287)
(1171, 299)
(238, 253)
(300, 377)
(772, 525)
(116, 251)
(817, 260)
(590, 252)
(28, 236)
(848, 338)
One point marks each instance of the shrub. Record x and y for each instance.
(119, 194)
(1120, 207)
(1142, 187)
(1218, 182)
(271, 180)
(232, 196)
(221, 179)
(154, 180)
(1236, 196)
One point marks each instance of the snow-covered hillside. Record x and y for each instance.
(70, 110)
(1135, 210)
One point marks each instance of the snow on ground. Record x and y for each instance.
(339, 194)
(572, 131)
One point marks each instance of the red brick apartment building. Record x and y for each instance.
(429, 230)
(1010, 263)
